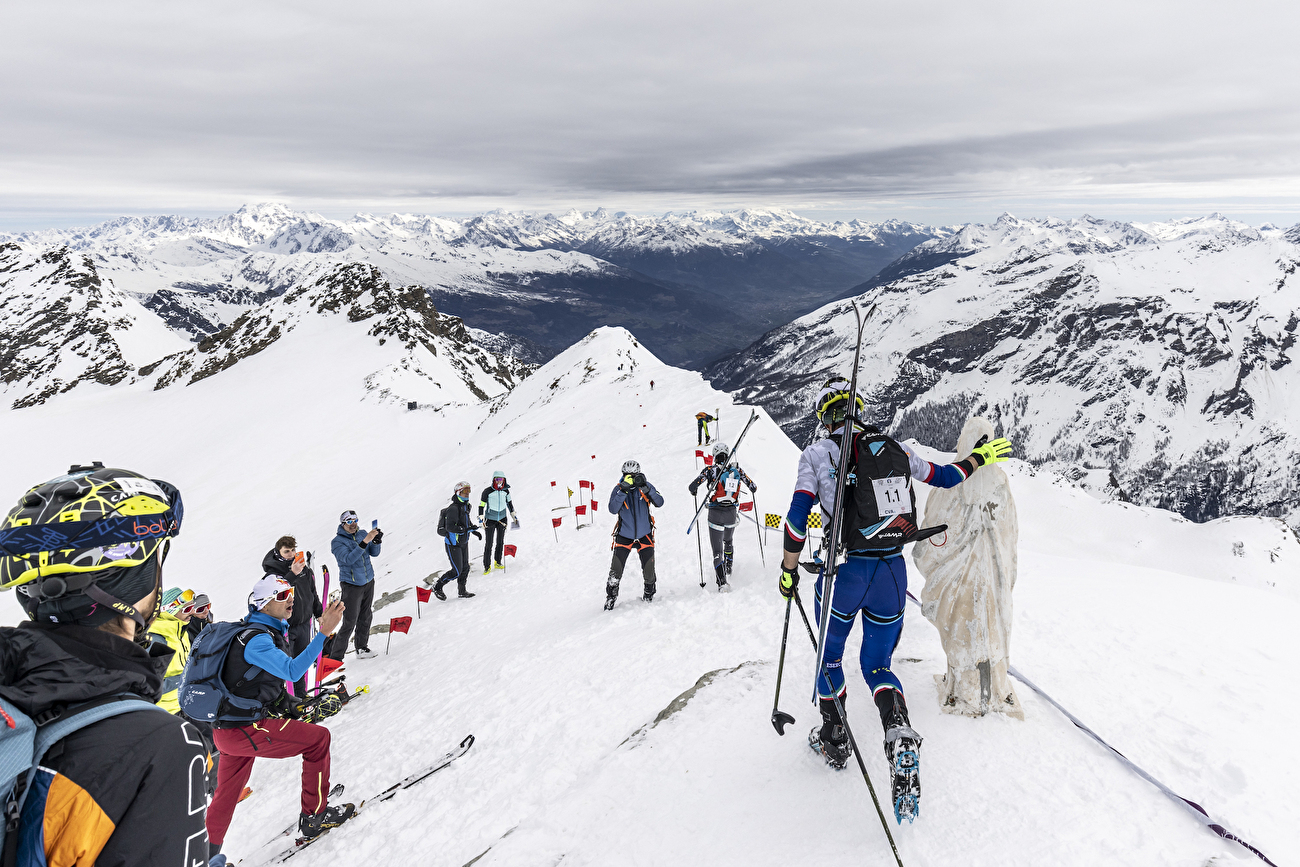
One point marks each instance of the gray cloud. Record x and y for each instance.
(943, 112)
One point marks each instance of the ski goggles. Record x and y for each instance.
(201, 609)
(284, 595)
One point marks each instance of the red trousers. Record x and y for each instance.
(268, 739)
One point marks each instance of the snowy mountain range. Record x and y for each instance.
(694, 285)
(1153, 361)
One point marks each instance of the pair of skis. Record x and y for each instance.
(302, 843)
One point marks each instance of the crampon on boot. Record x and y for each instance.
(903, 750)
(830, 740)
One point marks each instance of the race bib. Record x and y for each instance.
(892, 496)
(731, 485)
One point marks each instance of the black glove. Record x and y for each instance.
(693, 487)
(638, 480)
(789, 582)
(379, 537)
(625, 484)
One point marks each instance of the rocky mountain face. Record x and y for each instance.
(693, 286)
(62, 325)
(1156, 356)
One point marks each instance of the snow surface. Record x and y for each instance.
(1129, 616)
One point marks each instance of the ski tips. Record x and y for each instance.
(781, 719)
(467, 743)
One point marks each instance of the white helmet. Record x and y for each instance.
(460, 486)
(630, 466)
(721, 448)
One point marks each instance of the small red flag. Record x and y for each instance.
(583, 484)
(328, 665)
(399, 624)
(708, 460)
(594, 505)
(510, 550)
(552, 484)
(555, 522)
(746, 507)
(423, 593)
(580, 510)
(699, 453)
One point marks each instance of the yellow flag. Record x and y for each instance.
(815, 520)
(771, 520)
(570, 493)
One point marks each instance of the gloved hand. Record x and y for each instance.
(789, 581)
(639, 481)
(514, 522)
(992, 452)
(626, 483)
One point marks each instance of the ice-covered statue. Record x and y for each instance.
(969, 576)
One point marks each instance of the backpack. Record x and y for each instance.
(204, 696)
(25, 741)
(879, 503)
(727, 488)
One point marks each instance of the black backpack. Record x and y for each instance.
(879, 503)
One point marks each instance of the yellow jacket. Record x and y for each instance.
(172, 631)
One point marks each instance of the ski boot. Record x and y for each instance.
(726, 561)
(465, 594)
(611, 595)
(311, 825)
(649, 594)
(609, 603)
(487, 570)
(497, 566)
(830, 740)
(437, 591)
(721, 571)
(903, 750)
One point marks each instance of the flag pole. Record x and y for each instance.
(390, 640)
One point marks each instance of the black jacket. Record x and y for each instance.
(457, 518)
(306, 601)
(144, 770)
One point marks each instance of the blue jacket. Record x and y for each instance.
(263, 653)
(353, 557)
(633, 510)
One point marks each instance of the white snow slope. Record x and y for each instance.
(1175, 648)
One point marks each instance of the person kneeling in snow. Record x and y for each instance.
(257, 667)
(631, 501)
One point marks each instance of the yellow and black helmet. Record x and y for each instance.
(78, 546)
(834, 400)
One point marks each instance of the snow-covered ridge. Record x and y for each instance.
(1162, 354)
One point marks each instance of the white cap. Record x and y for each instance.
(266, 589)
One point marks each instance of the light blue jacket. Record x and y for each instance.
(353, 557)
(262, 652)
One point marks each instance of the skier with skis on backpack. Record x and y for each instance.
(724, 492)
(495, 502)
(631, 500)
(878, 518)
(258, 719)
(456, 525)
(702, 420)
(122, 781)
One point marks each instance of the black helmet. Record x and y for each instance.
(83, 547)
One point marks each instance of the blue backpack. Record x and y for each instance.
(203, 695)
(23, 744)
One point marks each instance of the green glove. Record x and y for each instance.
(789, 581)
(993, 452)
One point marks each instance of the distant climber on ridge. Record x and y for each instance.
(724, 493)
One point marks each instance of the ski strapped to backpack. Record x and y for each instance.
(23, 744)
(203, 694)
(731, 459)
(880, 512)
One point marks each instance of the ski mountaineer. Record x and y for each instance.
(631, 500)
(84, 553)
(702, 420)
(201, 618)
(872, 580)
(455, 525)
(282, 560)
(257, 667)
(353, 552)
(173, 629)
(724, 491)
(495, 501)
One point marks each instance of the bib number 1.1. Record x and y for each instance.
(892, 496)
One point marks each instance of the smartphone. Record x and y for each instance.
(300, 557)
(374, 525)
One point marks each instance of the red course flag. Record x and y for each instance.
(423, 593)
(708, 460)
(580, 510)
(510, 550)
(399, 624)
(594, 506)
(555, 522)
(746, 507)
(699, 453)
(582, 484)
(552, 484)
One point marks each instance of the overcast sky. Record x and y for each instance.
(939, 112)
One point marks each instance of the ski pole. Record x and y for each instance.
(853, 744)
(781, 719)
(759, 530)
(699, 549)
